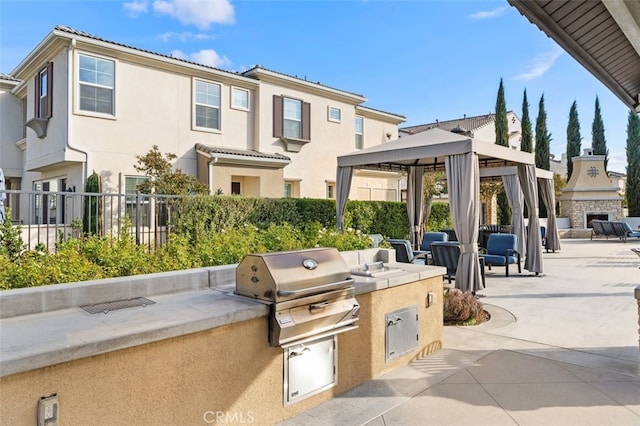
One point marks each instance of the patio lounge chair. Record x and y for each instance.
(502, 251)
(626, 231)
(404, 253)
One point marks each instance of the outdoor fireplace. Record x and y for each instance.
(590, 217)
(589, 194)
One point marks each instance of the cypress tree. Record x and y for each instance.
(598, 142)
(632, 188)
(543, 138)
(527, 136)
(502, 126)
(543, 141)
(573, 137)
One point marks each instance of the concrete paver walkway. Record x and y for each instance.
(560, 349)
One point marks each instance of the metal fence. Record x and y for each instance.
(46, 217)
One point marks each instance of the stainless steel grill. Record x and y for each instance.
(311, 293)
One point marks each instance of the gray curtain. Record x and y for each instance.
(343, 186)
(463, 182)
(516, 202)
(527, 175)
(415, 200)
(547, 193)
(3, 196)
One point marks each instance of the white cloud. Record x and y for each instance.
(200, 13)
(207, 57)
(135, 8)
(185, 36)
(540, 65)
(489, 13)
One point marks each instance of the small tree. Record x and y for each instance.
(574, 139)
(501, 124)
(632, 188)
(90, 222)
(164, 179)
(598, 142)
(432, 185)
(559, 182)
(526, 144)
(11, 243)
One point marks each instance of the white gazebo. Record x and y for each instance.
(462, 158)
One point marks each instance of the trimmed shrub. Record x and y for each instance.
(462, 308)
(440, 217)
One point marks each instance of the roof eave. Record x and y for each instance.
(534, 13)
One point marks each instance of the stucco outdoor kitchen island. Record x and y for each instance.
(192, 351)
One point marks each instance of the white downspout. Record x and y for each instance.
(70, 97)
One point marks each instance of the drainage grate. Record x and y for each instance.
(117, 304)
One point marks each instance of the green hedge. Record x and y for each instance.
(209, 231)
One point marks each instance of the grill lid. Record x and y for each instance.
(281, 276)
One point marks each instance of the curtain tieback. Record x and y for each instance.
(468, 248)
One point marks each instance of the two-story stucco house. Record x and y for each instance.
(78, 103)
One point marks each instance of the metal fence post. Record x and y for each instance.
(138, 216)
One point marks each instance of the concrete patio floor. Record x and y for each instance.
(560, 349)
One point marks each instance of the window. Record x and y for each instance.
(239, 98)
(97, 83)
(331, 190)
(44, 99)
(335, 114)
(288, 190)
(236, 188)
(291, 118)
(136, 208)
(359, 132)
(207, 105)
(49, 208)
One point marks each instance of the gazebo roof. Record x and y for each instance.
(429, 148)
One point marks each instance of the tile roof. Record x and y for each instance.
(465, 123)
(73, 31)
(245, 74)
(381, 111)
(239, 152)
(8, 78)
(260, 67)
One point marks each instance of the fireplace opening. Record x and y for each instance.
(596, 216)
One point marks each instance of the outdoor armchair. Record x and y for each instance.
(447, 253)
(502, 251)
(404, 253)
(430, 237)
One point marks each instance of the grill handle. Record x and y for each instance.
(314, 307)
(315, 289)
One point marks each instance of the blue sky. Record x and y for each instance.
(425, 60)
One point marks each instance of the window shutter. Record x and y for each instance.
(50, 90)
(36, 97)
(306, 121)
(278, 116)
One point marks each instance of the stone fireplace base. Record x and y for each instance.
(582, 212)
